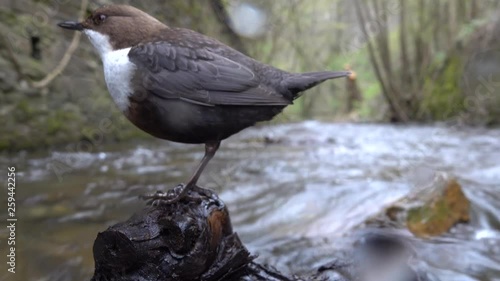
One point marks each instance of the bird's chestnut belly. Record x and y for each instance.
(185, 122)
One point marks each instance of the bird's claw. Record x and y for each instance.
(164, 198)
(176, 194)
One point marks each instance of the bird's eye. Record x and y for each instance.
(100, 18)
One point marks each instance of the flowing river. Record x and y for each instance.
(297, 193)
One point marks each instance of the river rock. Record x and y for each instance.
(434, 209)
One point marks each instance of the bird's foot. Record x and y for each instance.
(180, 192)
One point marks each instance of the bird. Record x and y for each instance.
(182, 86)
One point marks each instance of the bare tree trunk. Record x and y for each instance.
(436, 38)
(339, 32)
(398, 114)
(473, 9)
(452, 22)
(461, 11)
(406, 78)
(383, 36)
(419, 44)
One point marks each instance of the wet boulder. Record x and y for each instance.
(434, 209)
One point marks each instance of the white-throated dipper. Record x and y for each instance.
(182, 86)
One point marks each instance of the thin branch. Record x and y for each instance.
(67, 55)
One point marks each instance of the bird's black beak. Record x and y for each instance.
(72, 25)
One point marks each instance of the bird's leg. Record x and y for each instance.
(210, 150)
(163, 198)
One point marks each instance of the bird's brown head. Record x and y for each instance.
(114, 27)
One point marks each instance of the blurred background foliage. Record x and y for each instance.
(413, 60)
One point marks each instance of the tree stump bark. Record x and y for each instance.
(194, 240)
(189, 240)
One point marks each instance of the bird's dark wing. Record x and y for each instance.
(173, 71)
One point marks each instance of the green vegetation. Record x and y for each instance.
(443, 98)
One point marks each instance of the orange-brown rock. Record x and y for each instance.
(441, 212)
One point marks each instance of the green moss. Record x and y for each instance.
(439, 215)
(8, 17)
(53, 125)
(64, 120)
(430, 220)
(24, 110)
(4, 143)
(443, 98)
(17, 140)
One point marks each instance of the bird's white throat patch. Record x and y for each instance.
(100, 41)
(118, 69)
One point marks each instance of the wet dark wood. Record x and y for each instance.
(189, 240)
(194, 240)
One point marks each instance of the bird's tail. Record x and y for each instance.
(299, 82)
